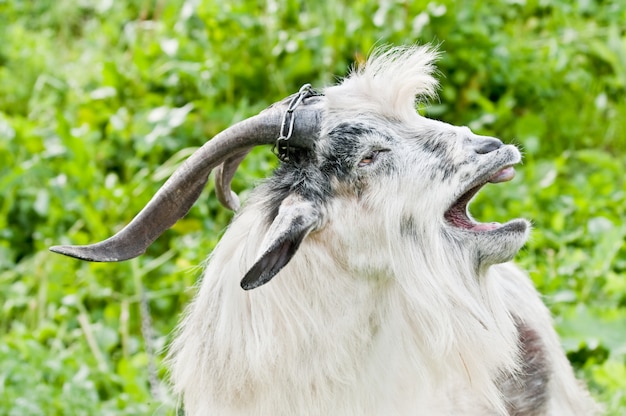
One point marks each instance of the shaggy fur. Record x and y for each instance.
(386, 307)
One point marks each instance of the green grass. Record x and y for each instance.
(100, 101)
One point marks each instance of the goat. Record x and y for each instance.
(387, 297)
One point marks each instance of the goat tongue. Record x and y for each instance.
(503, 175)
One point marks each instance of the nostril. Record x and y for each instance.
(487, 144)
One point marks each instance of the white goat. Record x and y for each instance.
(387, 298)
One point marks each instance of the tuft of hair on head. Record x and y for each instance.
(392, 80)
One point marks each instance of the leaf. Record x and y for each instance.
(595, 327)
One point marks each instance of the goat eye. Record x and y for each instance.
(370, 157)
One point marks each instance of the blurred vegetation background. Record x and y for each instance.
(101, 100)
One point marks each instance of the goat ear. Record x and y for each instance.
(296, 218)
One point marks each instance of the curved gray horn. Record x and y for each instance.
(183, 188)
(224, 174)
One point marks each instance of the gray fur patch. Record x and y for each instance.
(408, 226)
(527, 393)
(439, 148)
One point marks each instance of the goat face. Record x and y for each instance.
(375, 182)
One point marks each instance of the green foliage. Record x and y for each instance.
(100, 101)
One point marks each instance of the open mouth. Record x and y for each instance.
(458, 216)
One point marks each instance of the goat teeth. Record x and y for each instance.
(503, 175)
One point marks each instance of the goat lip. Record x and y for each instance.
(503, 175)
(458, 216)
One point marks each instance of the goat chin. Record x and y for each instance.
(320, 340)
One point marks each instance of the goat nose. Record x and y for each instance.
(485, 145)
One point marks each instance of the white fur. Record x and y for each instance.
(370, 317)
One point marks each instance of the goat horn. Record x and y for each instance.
(183, 188)
(224, 174)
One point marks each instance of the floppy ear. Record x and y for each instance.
(296, 218)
